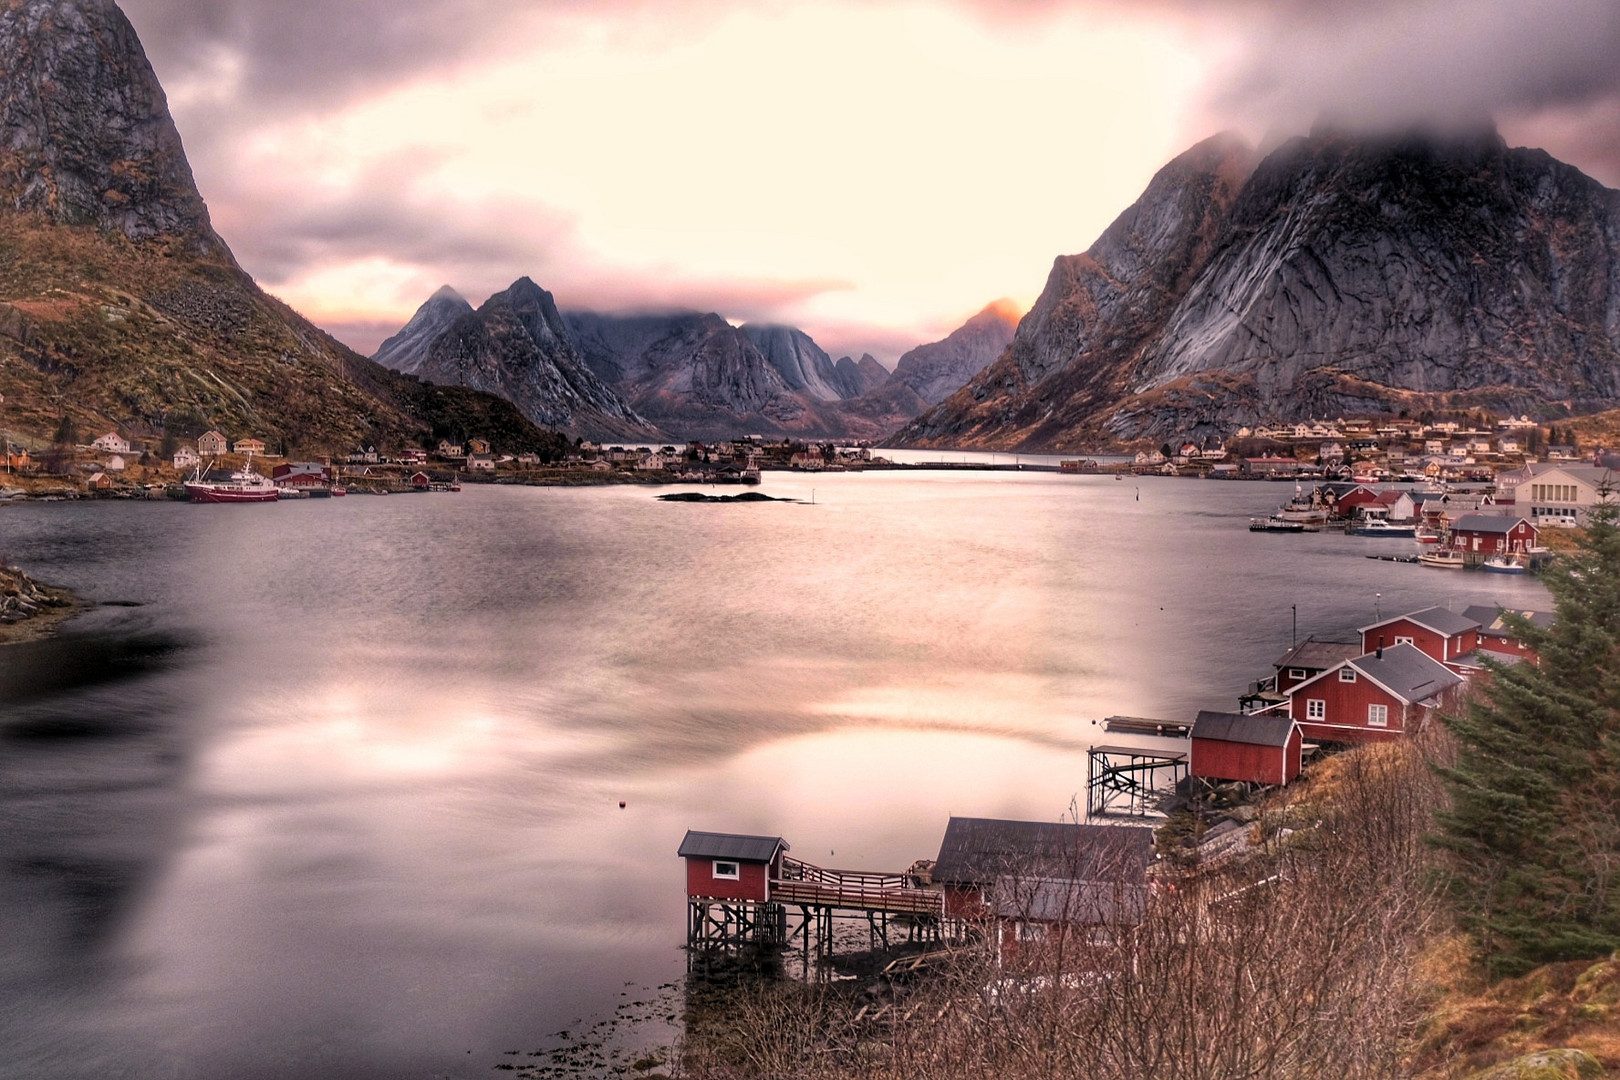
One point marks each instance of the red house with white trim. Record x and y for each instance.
(1489, 534)
(1439, 633)
(1381, 696)
(728, 866)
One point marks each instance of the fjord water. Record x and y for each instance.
(337, 793)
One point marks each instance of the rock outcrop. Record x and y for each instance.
(85, 132)
(1341, 274)
(518, 346)
(803, 365)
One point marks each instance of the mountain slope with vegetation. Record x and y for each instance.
(122, 309)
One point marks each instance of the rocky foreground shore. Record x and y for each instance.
(29, 609)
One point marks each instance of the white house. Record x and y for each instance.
(115, 463)
(186, 458)
(112, 443)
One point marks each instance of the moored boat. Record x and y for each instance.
(1503, 564)
(243, 486)
(1443, 559)
(1380, 527)
(1275, 524)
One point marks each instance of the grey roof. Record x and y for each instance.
(1257, 730)
(1062, 900)
(1489, 618)
(1314, 655)
(1441, 620)
(718, 845)
(1486, 523)
(1407, 672)
(1474, 659)
(977, 851)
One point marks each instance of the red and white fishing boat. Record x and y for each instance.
(244, 485)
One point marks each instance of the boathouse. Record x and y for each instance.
(982, 861)
(728, 866)
(1383, 695)
(1484, 535)
(1494, 637)
(1264, 748)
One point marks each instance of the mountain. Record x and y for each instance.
(863, 375)
(803, 365)
(517, 346)
(121, 307)
(937, 370)
(406, 350)
(1340, 274)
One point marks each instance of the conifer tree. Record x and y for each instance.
(1534, 823)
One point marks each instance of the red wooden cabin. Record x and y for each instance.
(728, 866)
(1440, 634)
(1488, 534)
(1373, 698)
(1263, 748)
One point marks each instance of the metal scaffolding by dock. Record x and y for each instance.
(1129, 779)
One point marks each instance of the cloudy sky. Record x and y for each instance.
(872, 171)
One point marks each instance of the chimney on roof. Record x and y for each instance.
(1380, 653)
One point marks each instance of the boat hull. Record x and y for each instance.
(213, 493)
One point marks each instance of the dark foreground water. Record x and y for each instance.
(339, 796)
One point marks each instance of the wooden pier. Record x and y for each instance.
(1130, 779)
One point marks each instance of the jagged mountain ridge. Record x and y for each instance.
(516, 345)
(405, 351)
(938, 369)
(121, 308)
(1340, 274)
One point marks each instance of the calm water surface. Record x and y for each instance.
(338, 794)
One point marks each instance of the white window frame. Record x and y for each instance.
(1296, 673)
(1378, 716)
(1031, 931)
(1316, 708)
(727, 870)
(1347, 674)
(1404, 641)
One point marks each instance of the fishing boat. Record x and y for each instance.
(1426, 535)
(1442, 559)
(243, 486)
(1275, 524)
(1503, 564)
(1302, 508)
(1380, 527)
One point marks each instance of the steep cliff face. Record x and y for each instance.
(85, 132)
(119, 305)
(518, 346)
(406, 350)
(803, 365)
(1072, 352)
(937, 370)
(863, 375)
(1342, 275)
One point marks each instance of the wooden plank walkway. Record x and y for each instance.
(859, 890)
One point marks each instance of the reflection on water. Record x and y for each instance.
(341, 796)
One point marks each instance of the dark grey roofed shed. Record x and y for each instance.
(1256, 730)
(977, 851)
(713, 845)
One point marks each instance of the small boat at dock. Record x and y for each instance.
(1380, 527)
(1275, 524)
(1503, 564)
(1443, 559)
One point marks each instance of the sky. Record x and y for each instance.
(873, 172)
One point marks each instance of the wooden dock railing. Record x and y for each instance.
(804, 883)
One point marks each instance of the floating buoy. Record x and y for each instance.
(621, 804)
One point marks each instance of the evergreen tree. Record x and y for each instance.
(1534, 823)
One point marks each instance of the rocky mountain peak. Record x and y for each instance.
(85, 132)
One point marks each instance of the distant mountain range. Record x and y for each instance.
(121, 307)
(1337, 275)
(681, 375)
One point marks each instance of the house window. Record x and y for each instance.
(727, 870)
(1378, 716)
(1315, 709)
(1347, 674)
(1404, 641)
(1296, 673)
(1028, 931)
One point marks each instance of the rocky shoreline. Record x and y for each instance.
(29, 610)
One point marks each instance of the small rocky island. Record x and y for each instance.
(702, 497)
